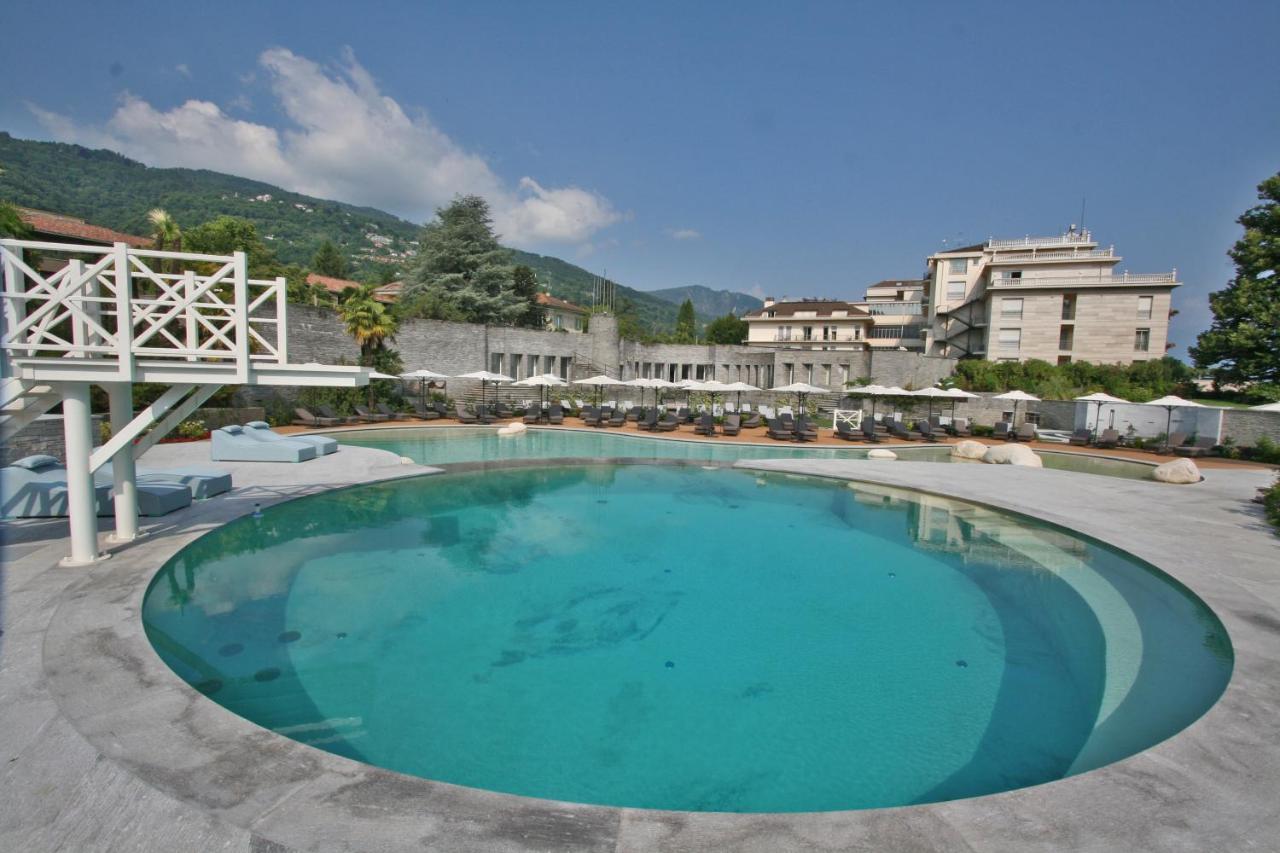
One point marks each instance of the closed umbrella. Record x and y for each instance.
(599, 382)
(485, 377)
(542, 381)
(1099, 397)
(1170, 403)
(1016, 397)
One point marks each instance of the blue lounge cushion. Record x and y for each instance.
(36, 462)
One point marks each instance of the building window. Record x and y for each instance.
(577, 324)
(1011, 308)
(1142, 340)
(1069, 306)
(495, 362)
(1066, 337)
(557, 322)
(826, 375)
(828, 333)
(955, 291)
(808, 332)
(807, 372)
(1064, 359)
(957, 266)
(1144, 307)
(515, 367)
(784, 333)
(790, 373)
(1010, 339)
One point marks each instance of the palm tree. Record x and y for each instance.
(368, 321)
(166, 234)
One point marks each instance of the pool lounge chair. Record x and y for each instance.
(230, 444)
(383, 408)
(424, 412)
(869, 431)
(684, 416)
(732, 424)
(634, 413)
(753, 421)
(617, 418)
(926, 430)
(367, 416)
(36, 487)
(1174, 441)
(1108, 438)
(532, 414)
(328, 412)
(305, 418)
(1079, 437)
(706, 425)
(555, 415)
(590, 416)
(960, 427)
(778, 431)
(648, 422)
(843, 430)
(1202, 446)
(261, 430)
(463, 416)
(202, 483)
(1026, 432)
(1002, 430)
(897, 430)
(805, 431)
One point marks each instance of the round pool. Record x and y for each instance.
(663, 636)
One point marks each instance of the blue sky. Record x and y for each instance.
(801, 149)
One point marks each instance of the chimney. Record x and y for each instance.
(768, 302)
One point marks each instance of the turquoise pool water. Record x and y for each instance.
(669, 637)
(440, 446)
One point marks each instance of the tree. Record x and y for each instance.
(11, 224)
(329, 261)
(686, 324)
(228, 234)
(368, 321)
(1243, 344)
(166, 236)
(726, 330)
(462, 271)
(525, 285)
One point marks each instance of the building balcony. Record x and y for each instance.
(1126, 279)
(894, 309)
(1037, 256)
(1076, 238)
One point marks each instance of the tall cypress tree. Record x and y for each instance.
(686, 323)
(524, 283)
(329, 261)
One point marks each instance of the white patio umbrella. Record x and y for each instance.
(485, 377)
(740, 386)
(1099, 397)
(873, 391)
(801, 390)
(656, 383)
(1169, 403)
(599, 381)
(542, 381)
(1016, 397)
(1266, 407)
(956, 395)
(931, 394)
(423, 376)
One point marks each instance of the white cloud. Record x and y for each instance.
(183, 69)
(683, 234)
(345, 140)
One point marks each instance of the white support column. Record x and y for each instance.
(77, 424)
(123, 469)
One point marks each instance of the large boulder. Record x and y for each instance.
(1012, 454)
(1177, 471)
(881, 453)
(512, 429)
(968, 449)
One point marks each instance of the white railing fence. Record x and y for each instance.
(122, 304)
(1068, 239)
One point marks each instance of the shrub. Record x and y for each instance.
(1271, 504)
(979, 430)
(1267, 451)
(191, 429)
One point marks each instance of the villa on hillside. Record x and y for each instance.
(562, 315)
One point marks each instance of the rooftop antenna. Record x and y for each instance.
(1082, 201)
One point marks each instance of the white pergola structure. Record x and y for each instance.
(113, 316)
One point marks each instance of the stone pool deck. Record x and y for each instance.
(105, 749)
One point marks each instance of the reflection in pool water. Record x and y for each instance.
(668, 637)
(441, 446)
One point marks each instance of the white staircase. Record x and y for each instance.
(21, 402)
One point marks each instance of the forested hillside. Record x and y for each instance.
(708, 302)
(109, 189)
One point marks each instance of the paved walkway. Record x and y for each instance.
(105, 749)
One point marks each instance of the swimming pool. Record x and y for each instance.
(661, 636)
(447, 445)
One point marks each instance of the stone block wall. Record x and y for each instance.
(44, 435)
(1246, 426)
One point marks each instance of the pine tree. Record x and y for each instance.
(1243, 344)
(525, 284)
(686, 324)
(462, 271)
(329, 261)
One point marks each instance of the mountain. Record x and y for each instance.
(109, 189)
(708, 302)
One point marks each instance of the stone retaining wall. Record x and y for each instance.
(44, 435)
